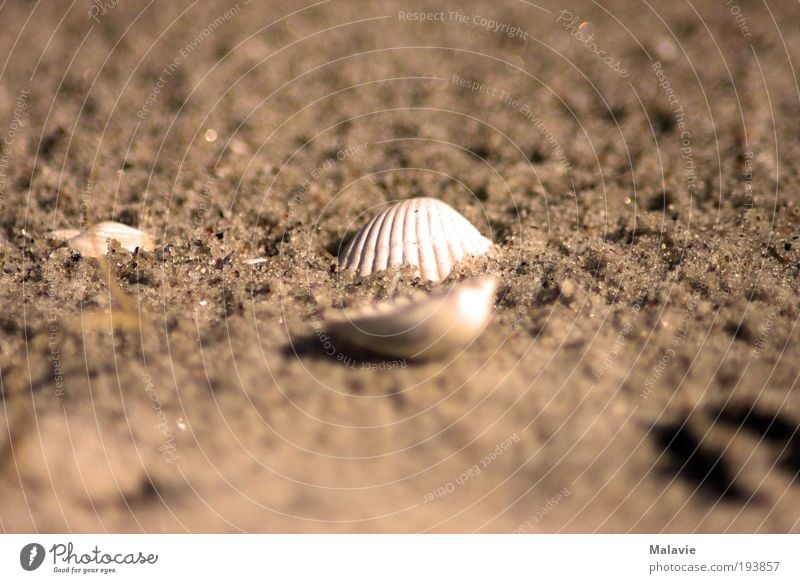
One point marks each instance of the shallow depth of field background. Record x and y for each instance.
(635, 162)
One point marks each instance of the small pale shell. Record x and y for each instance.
(64, 234)
(94, 242)
(432, 326)
(423, 232)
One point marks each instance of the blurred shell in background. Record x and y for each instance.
(94, 242)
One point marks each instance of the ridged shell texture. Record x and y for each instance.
(422, 232)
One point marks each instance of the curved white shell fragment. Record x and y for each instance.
(425, 327)
(423, 232)
(94, 242)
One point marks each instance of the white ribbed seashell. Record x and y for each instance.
(423, 232)
(425, 327)
(94, 242)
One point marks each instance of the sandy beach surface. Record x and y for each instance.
(635, 164)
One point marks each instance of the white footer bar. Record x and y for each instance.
(401, 558)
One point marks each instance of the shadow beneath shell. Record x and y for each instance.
(318, 346)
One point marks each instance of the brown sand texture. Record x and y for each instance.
(635, 164)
